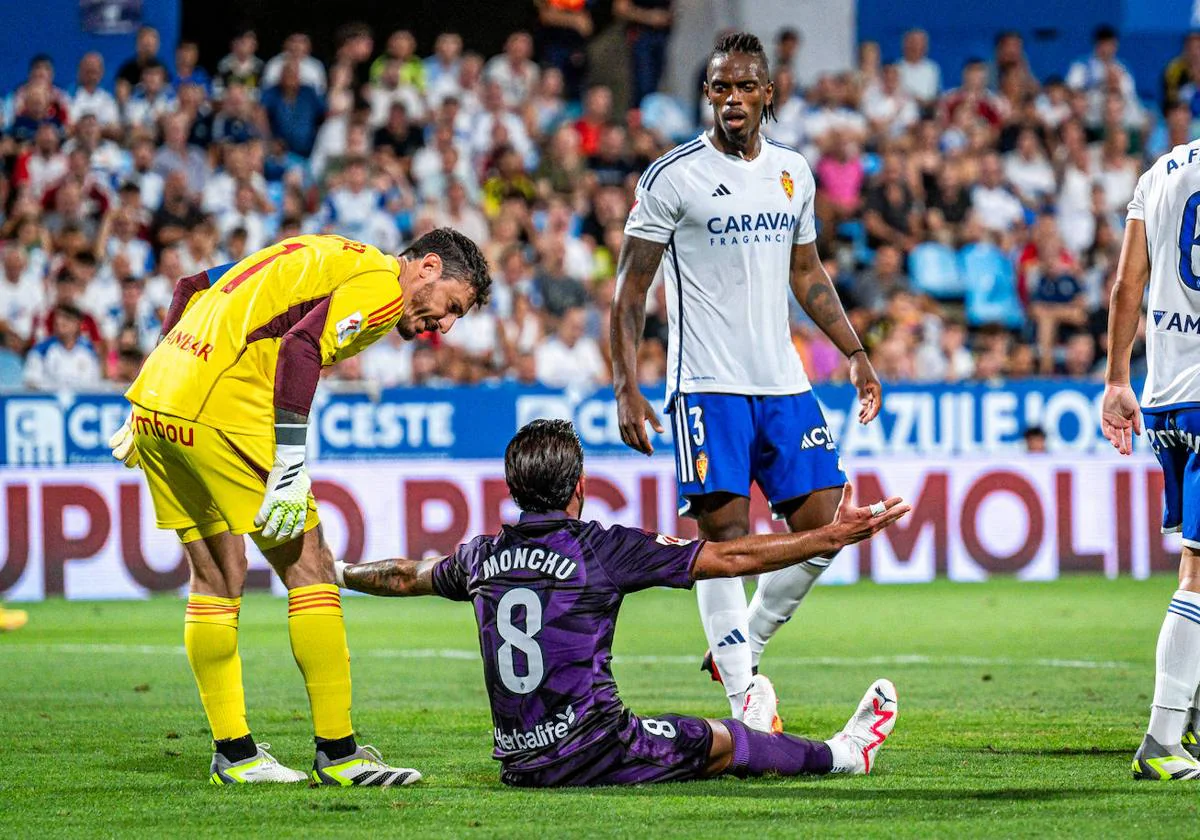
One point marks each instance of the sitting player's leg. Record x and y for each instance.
(740, 750)
(722, 601)
(318, 634)
(797, 465)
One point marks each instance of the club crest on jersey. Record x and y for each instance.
(785, 181)
(348, 327)
(702, 466)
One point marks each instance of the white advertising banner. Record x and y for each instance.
(89, 532)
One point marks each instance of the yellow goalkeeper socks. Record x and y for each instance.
(210, 636)
(318, 635)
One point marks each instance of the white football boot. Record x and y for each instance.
(761, 708)
(260, 767)
(364, 767)
(854, 748)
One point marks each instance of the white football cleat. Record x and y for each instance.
(364, 767)
(854, 748)
(761, 708)
(261, 767)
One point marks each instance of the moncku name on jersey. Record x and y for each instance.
(549, 563)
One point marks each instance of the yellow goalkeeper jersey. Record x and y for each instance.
(258, 336)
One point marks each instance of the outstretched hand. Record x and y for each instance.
(855, 524)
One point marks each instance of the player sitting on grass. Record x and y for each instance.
(546, 593)
(220, 413)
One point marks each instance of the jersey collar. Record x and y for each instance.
(552, 516)
(740, 161)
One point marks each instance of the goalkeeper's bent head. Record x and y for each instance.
(445, 275)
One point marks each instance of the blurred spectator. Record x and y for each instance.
(402, 49)
(565, 28)
(458, 213)
(178, 156)
(90, 97)
(513, 70)
(297, 50)
(389, 362)
(442, 68)
(177, 214)
(889, 108)
(66, 360)
(787, 50)
(569, 358)
(146, 46)
(1181, 78)
(556, 290)
(1009, 60)
(873, 288)
(1056, 301)
(1035, 440)
(293, 109)
(993, 200)
(22, 298)
(647, 31)
(788, 127)
(143, 176)
(238, 120)
(919, 75)
(972, 96)
(152, 99)
(241, 67)
(187, 67)
(1029, 171)
(387, 91)
(41, 166)
(890, 216)
(597, 112)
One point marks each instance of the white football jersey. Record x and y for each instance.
(1167, 199)
(729, 226)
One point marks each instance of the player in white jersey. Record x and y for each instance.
(1161, 241)
(729, 217)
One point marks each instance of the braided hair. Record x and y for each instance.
(748, 44)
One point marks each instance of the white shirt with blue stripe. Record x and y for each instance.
(729, 226)
(1167, 199)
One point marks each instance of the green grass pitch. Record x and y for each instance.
(1021, 705)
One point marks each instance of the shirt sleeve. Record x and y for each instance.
(638, 560)
(1137, 204)
(656, 211)
(361, 311)
(450, 577)
(806, 224)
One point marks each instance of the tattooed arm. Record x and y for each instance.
(390, 578)
(814, 290)
(636, 267)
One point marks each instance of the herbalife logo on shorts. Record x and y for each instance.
(541, 736)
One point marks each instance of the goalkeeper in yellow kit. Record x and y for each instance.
(220, 413)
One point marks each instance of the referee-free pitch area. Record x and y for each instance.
(1020, 707)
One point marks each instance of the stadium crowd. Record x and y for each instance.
(972, 224)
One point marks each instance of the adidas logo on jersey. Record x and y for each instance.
(721, 190)
(819, 436)
(734, 638)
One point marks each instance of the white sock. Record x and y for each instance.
(775, 601)
(843, 754)
(1177, 668)
(723, 613)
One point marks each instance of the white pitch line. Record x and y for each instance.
(473, 656)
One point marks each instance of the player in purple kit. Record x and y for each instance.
(547, 592)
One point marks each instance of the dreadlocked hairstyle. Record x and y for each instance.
(748, 44)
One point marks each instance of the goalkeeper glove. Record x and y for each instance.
(123, 447)
(285, 506)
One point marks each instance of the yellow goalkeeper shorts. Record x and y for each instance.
(204, 481)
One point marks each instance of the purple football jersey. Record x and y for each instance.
(546, 592)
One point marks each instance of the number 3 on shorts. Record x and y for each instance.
(662, 728)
